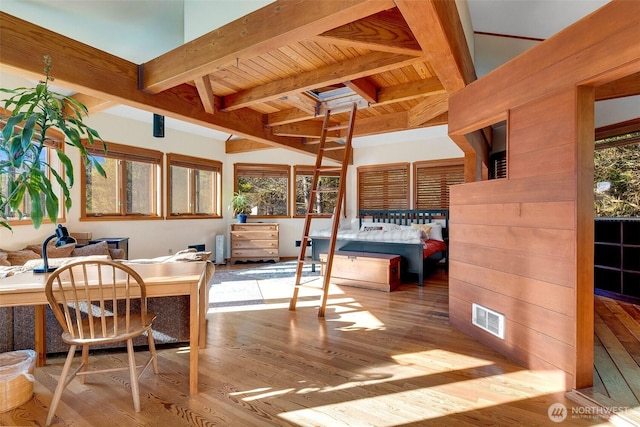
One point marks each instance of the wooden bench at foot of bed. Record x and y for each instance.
(380, 272)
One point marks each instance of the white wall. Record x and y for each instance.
(152, 238)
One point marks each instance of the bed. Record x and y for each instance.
(393, 232)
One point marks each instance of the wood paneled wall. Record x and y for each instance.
(523, 246)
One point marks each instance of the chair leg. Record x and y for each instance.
(85, 362)
(133, 376)
(62, 383)
(152, 351)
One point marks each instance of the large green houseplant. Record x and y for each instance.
(23, 169)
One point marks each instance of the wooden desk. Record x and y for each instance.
(168, 279)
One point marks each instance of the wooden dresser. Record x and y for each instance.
(254, 242)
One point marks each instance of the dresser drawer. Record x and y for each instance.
(254, 235)
(252, 244)
(254, 227)
(254, 253)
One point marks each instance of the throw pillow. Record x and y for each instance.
(3, 259)
(436, 232)
(425, 227)
(52, 250)
(21, 256)
(101, 248)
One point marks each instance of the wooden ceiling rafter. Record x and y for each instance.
(262, 31)
(357, 68)
(258, 84)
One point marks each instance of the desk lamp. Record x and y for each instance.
(63, 240)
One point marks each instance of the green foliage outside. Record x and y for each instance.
(620, 167)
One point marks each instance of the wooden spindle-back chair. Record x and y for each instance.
(95, 302)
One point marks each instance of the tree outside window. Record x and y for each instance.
(131, 186)
(266, 187)
(194, 187)
(325, 200)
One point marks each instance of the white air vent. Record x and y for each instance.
(488, 320)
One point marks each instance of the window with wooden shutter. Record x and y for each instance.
(383, 186)
(432, 181)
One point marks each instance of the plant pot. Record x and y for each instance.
(242, 218)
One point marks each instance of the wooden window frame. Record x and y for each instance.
(195, 163)
(441, 164)
(308, 170)
(125, 153)
(385, 168)
(265, 168)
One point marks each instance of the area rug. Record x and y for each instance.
(252, 285)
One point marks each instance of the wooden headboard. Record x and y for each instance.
(405, 216)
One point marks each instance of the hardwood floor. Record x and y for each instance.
(616, 374)
(376, 359)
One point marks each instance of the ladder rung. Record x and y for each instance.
(329, 169)
(316, 237)
(337, 147)
(338, 139)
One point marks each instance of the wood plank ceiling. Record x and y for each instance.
(268, 77)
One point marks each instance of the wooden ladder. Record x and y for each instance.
(343, 144)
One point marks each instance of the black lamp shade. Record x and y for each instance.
(64, 239)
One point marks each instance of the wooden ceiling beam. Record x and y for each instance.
(273, 26)
(245, 145)
(209, 101)
(389, 95)
(85, 69)
(355, 68)
(365, 88)
(411, 90)
(302, 102)
(431, 107)
(93, 104)
(437, 27)
(309, 129)
(385, 31)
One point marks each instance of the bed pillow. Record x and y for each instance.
(378, 226)
(436, 232)
(424, 227)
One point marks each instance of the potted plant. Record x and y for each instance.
(241, 206)
(23, 139)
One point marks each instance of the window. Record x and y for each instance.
(48, 160)
(383, 186)
(194, 187)
(432, 181)
(266, 186)
(328, 185)
(131, 187)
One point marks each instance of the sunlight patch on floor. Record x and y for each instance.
(390, 409)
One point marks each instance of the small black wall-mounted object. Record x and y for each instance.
(158, 126)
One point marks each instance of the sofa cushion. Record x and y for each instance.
(52, 250)
(3, 259)
(101, 248)
(21, 256)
